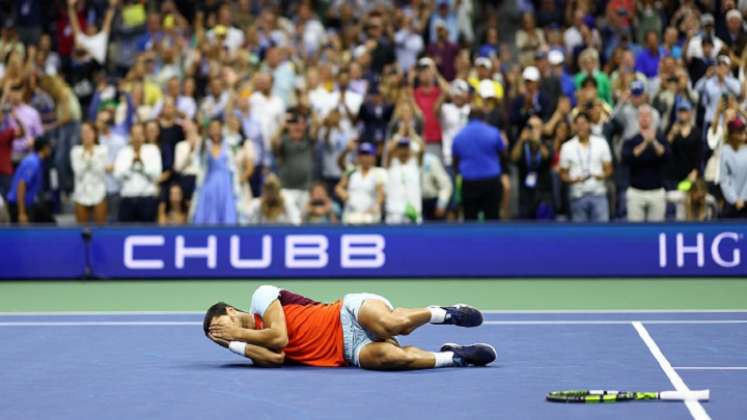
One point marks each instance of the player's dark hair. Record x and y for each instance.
(219, 309)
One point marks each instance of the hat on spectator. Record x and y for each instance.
(531, 74)
(556, 57)
(724, 59)
(484, 62)
(486, 89)
(734, 13)
(403, 141)
(737, 124)
(637, 88)
(540, 55)
(459, 87)
(220, 30)
(706, 19)
(366, 149)
(684, 105)
(425, 62)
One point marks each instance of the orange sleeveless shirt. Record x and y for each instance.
(314, 334)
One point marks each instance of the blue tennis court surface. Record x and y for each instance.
(155, 365)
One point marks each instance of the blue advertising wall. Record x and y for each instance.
(500, 250)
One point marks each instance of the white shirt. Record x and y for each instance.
(695, 46)
(213, 107)
(453, 119)
(403, 187)
(187, 106)
(408, 45)
(138, 179)
(270, 112)
(90, 174)
(186, 161)
(582, 161)
(95, 45)
(113, 143)
(234, 38)
(362, 189)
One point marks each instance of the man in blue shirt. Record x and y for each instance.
(26, 186)
(476, 152)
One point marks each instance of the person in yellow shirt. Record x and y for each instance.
(484, 72)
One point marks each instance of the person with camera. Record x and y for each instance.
(717, 89)
(585, 165)
(362, 188)
(646, 154)
(320, 207)
(533, 157)
(733, 179)
(293, 147)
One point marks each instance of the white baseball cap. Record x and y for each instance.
(555, 57)
(459, 87)
(484, 62)
(531, 73)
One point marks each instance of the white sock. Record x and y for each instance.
(444, 359)
(438, 314)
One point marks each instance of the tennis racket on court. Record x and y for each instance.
(605, 396)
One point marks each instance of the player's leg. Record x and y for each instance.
(386, 355)
(378, 317)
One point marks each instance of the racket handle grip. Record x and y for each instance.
(685, 395)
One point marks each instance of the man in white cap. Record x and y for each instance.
(484, 71)
(719, 87)
(454, 115)
(733, 33)
(695, 46)
(531, 102)
(556, 58)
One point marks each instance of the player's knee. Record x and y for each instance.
(392, 326)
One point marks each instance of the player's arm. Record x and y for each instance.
(259, 355)
(274, 336)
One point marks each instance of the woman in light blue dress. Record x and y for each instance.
(217, 197)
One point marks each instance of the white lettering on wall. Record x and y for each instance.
(137, 241)
(362, 251)
(209, 252)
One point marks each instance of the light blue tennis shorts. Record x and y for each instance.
(354, 336)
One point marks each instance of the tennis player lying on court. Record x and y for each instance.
(359, 330)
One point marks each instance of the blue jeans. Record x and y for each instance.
(66, 136)
(590, 208)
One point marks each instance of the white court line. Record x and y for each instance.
(710, 368)
(614, 322)
(97, 323)
(176, 323)
(488, 311)
(696, 409)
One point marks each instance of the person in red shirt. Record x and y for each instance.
(428, 95)
(10, 128)
(359, 330)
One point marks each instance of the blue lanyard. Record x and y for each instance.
(528, 157)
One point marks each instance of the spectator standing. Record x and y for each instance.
(362, 189)
(113, 142)
(454, 115)
(66, 127)
(409, 42)
(647, 155)
(187, 159)
(403, 189)
(95, 43)
(437, 188)
(427, 95)
(27, 116)
(138, 167)
(89, 160)
(10, 128)
(443, 52)
(475, 155)
(533, 158)
(217, 192)
(686, 144)
(272, 108)
(585, 164)
(293, 147)
(733, 172)
(589, 63)
(721, 84)
(25, 201)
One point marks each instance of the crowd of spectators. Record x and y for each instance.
(351, 111)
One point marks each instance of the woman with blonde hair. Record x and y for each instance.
(272, 207)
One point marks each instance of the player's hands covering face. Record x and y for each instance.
(222, 329)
